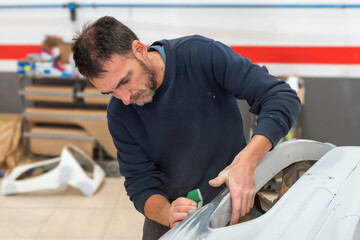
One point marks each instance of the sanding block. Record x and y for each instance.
(195, 195)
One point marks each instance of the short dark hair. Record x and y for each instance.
(97, 42)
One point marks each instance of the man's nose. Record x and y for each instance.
(124, 96)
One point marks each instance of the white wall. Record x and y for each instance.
(236, 26)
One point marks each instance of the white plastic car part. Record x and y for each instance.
(73, 167)
(323, 204)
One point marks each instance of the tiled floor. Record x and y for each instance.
(66, 214)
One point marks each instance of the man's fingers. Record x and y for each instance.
(241, 205)
(176, 223)
(244, 206)
(179, 209)
(184, 201)
(179, 216)
(185, 209)
(251, 202)
(236, 202)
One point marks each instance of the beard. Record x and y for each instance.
(145, 96)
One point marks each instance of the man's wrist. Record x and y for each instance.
(157, 208)
(252, 154)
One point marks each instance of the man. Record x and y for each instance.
(175, 121)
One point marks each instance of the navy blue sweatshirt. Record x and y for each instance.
(193, 128)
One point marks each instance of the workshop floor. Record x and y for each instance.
(66, 214)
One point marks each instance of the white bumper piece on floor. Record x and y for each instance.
(323, 204)
(73, 167)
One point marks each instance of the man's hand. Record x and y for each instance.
(241, 182)
(178, 210)
(239, 176)
(158, 208)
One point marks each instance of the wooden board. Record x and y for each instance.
(101, 99)
(62, 115)
(97, 127)
(9, 116)
(53, 147)
(48, 93)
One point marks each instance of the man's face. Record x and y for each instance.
(128, 79)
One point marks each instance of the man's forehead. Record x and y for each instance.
(115, 64)
(120, 57)
(112, 75)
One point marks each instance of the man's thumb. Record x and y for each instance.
(217, 181)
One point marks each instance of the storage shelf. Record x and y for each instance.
(76, 113)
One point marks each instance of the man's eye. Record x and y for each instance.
(126, 81)
(123, 82)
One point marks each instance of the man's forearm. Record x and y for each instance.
(256, 149)
(157, 208)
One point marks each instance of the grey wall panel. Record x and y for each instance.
(332, 111)
(10, 101)
(246, 118)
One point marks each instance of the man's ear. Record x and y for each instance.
(139, 49)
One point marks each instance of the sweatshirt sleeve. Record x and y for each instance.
(275, 103)
(142, 177)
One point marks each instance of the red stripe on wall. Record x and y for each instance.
(263, 54)
(14, 52)
(306, 55)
